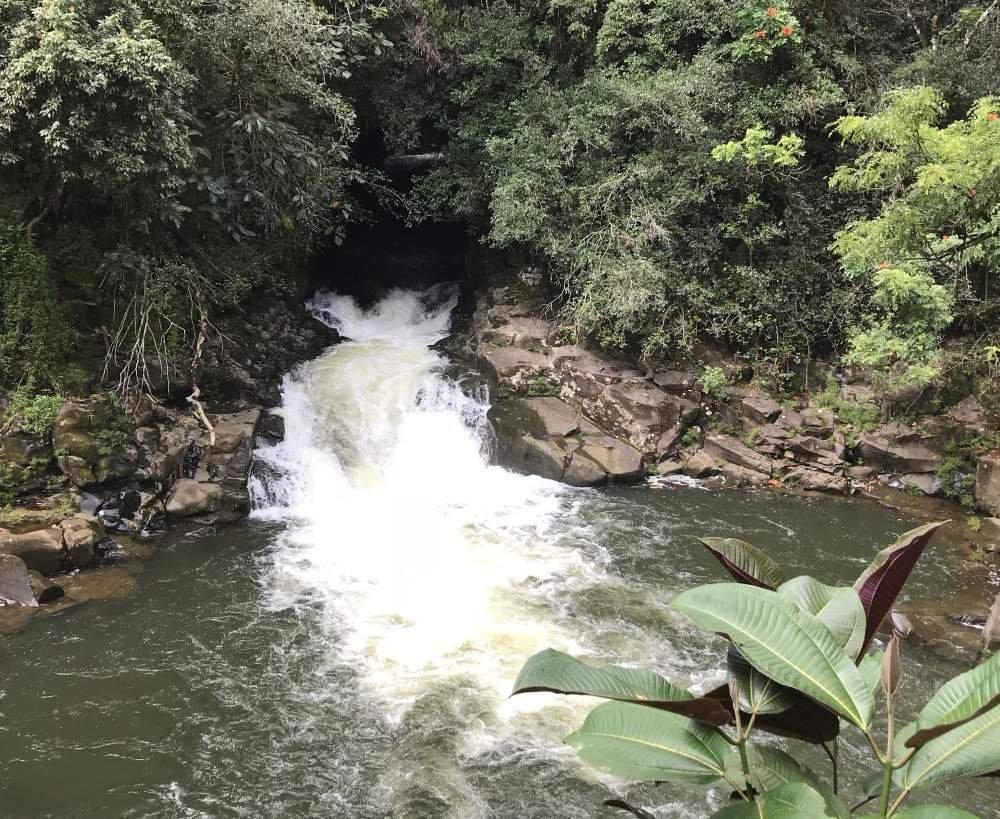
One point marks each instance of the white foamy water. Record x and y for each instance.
(429, 566)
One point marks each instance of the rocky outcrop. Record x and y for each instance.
(896, 447)
(545, 436)
(988, 482)
(90, 442)
(73, 544)
(15, 583)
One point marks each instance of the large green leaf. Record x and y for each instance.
(745, 562)
(870, 668)
(647, 745)
(758, 694)
(794, 800)
(789, 645)
(931, 812)
(961, 699)
(770, 768)
(971, 749)
(837, 608)
(560, 673)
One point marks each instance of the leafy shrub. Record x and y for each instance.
(713, 381)
(32, 413)
(798, 664)
(35, 332)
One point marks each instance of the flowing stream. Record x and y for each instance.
(349, 651)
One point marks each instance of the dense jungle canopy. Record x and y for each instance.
(803, 178)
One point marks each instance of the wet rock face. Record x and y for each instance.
(15, 583)
(547, 437)
(988, 482)
(72, 544)
(90, 443)
(898, 448)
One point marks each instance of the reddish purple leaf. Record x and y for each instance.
(745, 562)
(880, 584)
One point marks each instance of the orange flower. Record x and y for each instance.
(992, 116)
(787, 31)
(760, 34)
(884, 265)
(972, 193)
(772, 12)
(945, 237)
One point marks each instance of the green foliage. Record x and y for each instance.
(543, 386)
(799, 639)
(764, 29)
(34, 413)
(35, 334)
(713, 382)
(759, 148)
(928, 252)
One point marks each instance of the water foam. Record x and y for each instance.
(431, 568)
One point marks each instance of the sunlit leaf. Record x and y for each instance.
(647, 745)
(554, 671)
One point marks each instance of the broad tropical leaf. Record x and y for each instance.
(959, 700)
(871, 669)
(646, 745)
(931, 812)
(794, 800)
(560, 673)
(837, 608)
(788, 645)
(971, 749)
(879, 585)
(758, 693)
(770, 768)
(745, 562)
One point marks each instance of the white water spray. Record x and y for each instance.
(427, 564)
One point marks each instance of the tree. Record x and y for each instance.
(931, 251)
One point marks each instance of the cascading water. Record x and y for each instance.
(430, 569)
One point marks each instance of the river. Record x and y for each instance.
(348, 651)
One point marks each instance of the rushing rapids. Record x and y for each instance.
(349, 651)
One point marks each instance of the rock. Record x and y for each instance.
(860, 473)
(189, 498)
(583, 471)
(45, 590)
(515, 363)
(546, 458)
(89, 442)
(90, 504)
(669, 468)
(990, 528)
(969, 413)
(895, 448)
(700, 465)
(15, 585)
(760, 410)
(927, 483)
(728, 449)
(670, 440)
(675, 381)
(988, 482)
(813, 481)
(24, 461)
(81, 534)
(818, 422)
(41, 550)
(556, 416)
(857, 394)
(620, 461)
(740, 476)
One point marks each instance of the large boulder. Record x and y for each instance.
(90, 443)
(190, 498)
(548, 437)
(727, 449)
(898, 448)
(760, 410)
(24, 461)
(81, 534)
(41, 550)
(15, 583)
(988, 482)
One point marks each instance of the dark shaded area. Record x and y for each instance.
(377, 258)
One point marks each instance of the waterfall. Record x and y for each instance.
(430, 569)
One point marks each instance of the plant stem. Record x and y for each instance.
(883, 805)
(899, 801)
